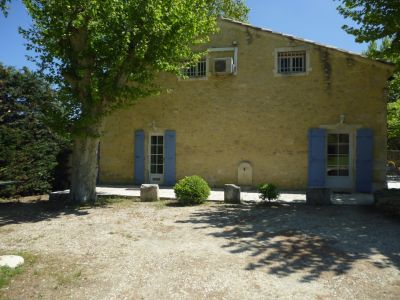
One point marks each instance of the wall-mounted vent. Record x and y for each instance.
(224, 66)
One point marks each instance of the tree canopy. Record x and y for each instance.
(383, 52)
(3, 6)
(28, 147)
(105, 54)
(393, 116)
(376, 19)
(379, 20)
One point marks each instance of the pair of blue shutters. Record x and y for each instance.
(170, 161)
(317, 159)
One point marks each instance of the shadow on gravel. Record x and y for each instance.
(35, 211)
(285, 239)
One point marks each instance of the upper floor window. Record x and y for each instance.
(292, 62)
(198, 70)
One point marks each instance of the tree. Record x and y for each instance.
(393, 116)
(377, 19)
(104, 55)
(28, 147)
(383, 52)
(394, 125)
(3, 6)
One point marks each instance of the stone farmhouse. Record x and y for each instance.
(260, 107)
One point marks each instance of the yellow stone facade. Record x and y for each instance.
(255, 116)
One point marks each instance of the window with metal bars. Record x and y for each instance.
(292, 62)
(197, 71)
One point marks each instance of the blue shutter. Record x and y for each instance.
(316, 157)
(139, 157)
(170, 149)
(364, 162)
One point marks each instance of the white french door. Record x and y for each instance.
(339, 161)
(156, 158)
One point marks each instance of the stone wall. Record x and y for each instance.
(256, 116)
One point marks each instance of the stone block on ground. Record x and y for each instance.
(149, 192)
(232, 194)
(318, 196)
(11, 261)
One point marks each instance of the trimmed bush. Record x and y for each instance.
(192, 190)
(268, 191)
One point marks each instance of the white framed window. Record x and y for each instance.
(292, 61)
(199, 70)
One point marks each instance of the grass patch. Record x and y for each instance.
(64, 279)
(6, 274)
(104, 201)
(176, 203)
(115, 201)
(161, 204)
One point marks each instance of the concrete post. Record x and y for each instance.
(232, 194)
(149, 192)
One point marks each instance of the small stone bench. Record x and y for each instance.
(232, 194)
(149, 192)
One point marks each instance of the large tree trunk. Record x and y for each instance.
(84, 170)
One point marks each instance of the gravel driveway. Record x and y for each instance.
(132, 250)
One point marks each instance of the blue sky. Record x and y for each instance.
(316, 20)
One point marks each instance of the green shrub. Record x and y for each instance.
(192, 190)
(268, 192)
(29, 148)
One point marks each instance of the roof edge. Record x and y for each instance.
(387, 63)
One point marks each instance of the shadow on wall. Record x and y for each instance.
(298, 239)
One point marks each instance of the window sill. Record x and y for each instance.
(276, 74)
(193, 79)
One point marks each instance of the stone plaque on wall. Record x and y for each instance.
(245, 174)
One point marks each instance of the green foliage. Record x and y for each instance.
(28, 148)
(3, 6)
(6, 273)
(393, 116)
(383, 52)
(105, 54)
(192, 190)
(268, 192)
(379, 20)
(376, 19)
(394, 125)
(233, 9)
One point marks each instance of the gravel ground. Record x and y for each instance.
(131, 250)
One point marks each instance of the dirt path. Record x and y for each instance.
(131, 250)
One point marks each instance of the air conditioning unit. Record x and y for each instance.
(224, 66)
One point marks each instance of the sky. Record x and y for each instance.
(316, 20)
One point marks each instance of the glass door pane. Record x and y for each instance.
(338, 158)
(157, 154)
